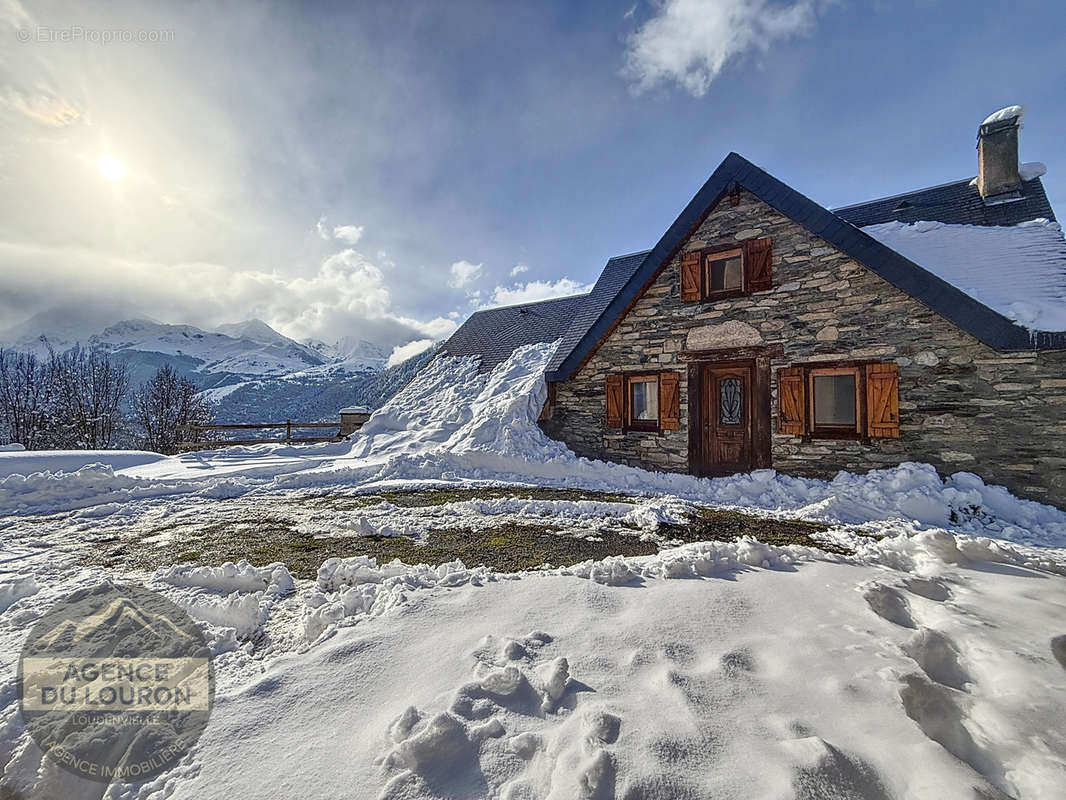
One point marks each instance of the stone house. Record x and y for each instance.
(764, 330)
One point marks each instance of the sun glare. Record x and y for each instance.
(111, 168)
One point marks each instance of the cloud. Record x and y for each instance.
(519, 269)
(350, 234)
(405, 351)
(535, 290)
(463, 274)
(690, 41)
(43, 106)
(345, 295)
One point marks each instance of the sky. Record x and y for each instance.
(381, 170)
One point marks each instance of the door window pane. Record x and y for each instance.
(724, 274)
(834, 400)
(730, 401)
(644, 400)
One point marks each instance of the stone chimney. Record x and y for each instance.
(997, 155)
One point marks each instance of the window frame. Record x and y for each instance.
(709, 254)
(645, 425)
(824, 431)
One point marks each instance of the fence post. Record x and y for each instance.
(288, 431)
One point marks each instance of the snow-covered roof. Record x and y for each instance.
(1017, 270)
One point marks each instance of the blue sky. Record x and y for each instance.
(323, 166)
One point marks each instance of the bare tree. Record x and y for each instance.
(88, 389)
(166, 404)
(25, 399)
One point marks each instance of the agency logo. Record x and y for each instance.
(115, 683)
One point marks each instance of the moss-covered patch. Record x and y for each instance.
(438, 497)
(717, 525)
(425, 498)
(509, 547)
(269, 536)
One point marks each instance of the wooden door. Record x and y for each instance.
(726, 401)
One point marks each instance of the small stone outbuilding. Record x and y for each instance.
(764, 330)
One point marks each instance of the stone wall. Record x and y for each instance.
(963, 406)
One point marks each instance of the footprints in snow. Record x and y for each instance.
(1058, 649)
(889, 604)
(508, 733)
(938, 657)
(937, 697)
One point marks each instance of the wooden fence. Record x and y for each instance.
(193, 434)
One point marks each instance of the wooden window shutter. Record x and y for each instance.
(791, 401)
(690, 276)
(759, 264)
(669, 401)
(615, 400)
(882, 400)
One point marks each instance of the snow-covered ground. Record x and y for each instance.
(929, 663)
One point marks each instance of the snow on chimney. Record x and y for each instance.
(998, 177)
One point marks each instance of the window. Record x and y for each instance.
(644, 401)
(839, 401)
(724, 272)
(643, 405)
(721, 272)
(834, 397)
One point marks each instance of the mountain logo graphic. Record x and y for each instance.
(120, 614)
(115, 683)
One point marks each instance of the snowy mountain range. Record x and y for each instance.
(249, 369)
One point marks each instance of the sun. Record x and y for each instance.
(111, 168)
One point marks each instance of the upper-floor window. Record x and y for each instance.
(723, 272)
(715, 273)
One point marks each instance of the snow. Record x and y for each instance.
(1019, 270)
(929, 663)
(16, 460)
(670, 687)
(1010, 112)
(453, 425)
(1031, 170)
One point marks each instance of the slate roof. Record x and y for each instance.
(493, 334)
(594, 321)
(957, 203)
(616, 273)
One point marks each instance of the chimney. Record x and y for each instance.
(997, 155)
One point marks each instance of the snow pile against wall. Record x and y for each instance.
(1018, 270)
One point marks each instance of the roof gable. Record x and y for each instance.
(964, 311)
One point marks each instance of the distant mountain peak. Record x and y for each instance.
(254, 329)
